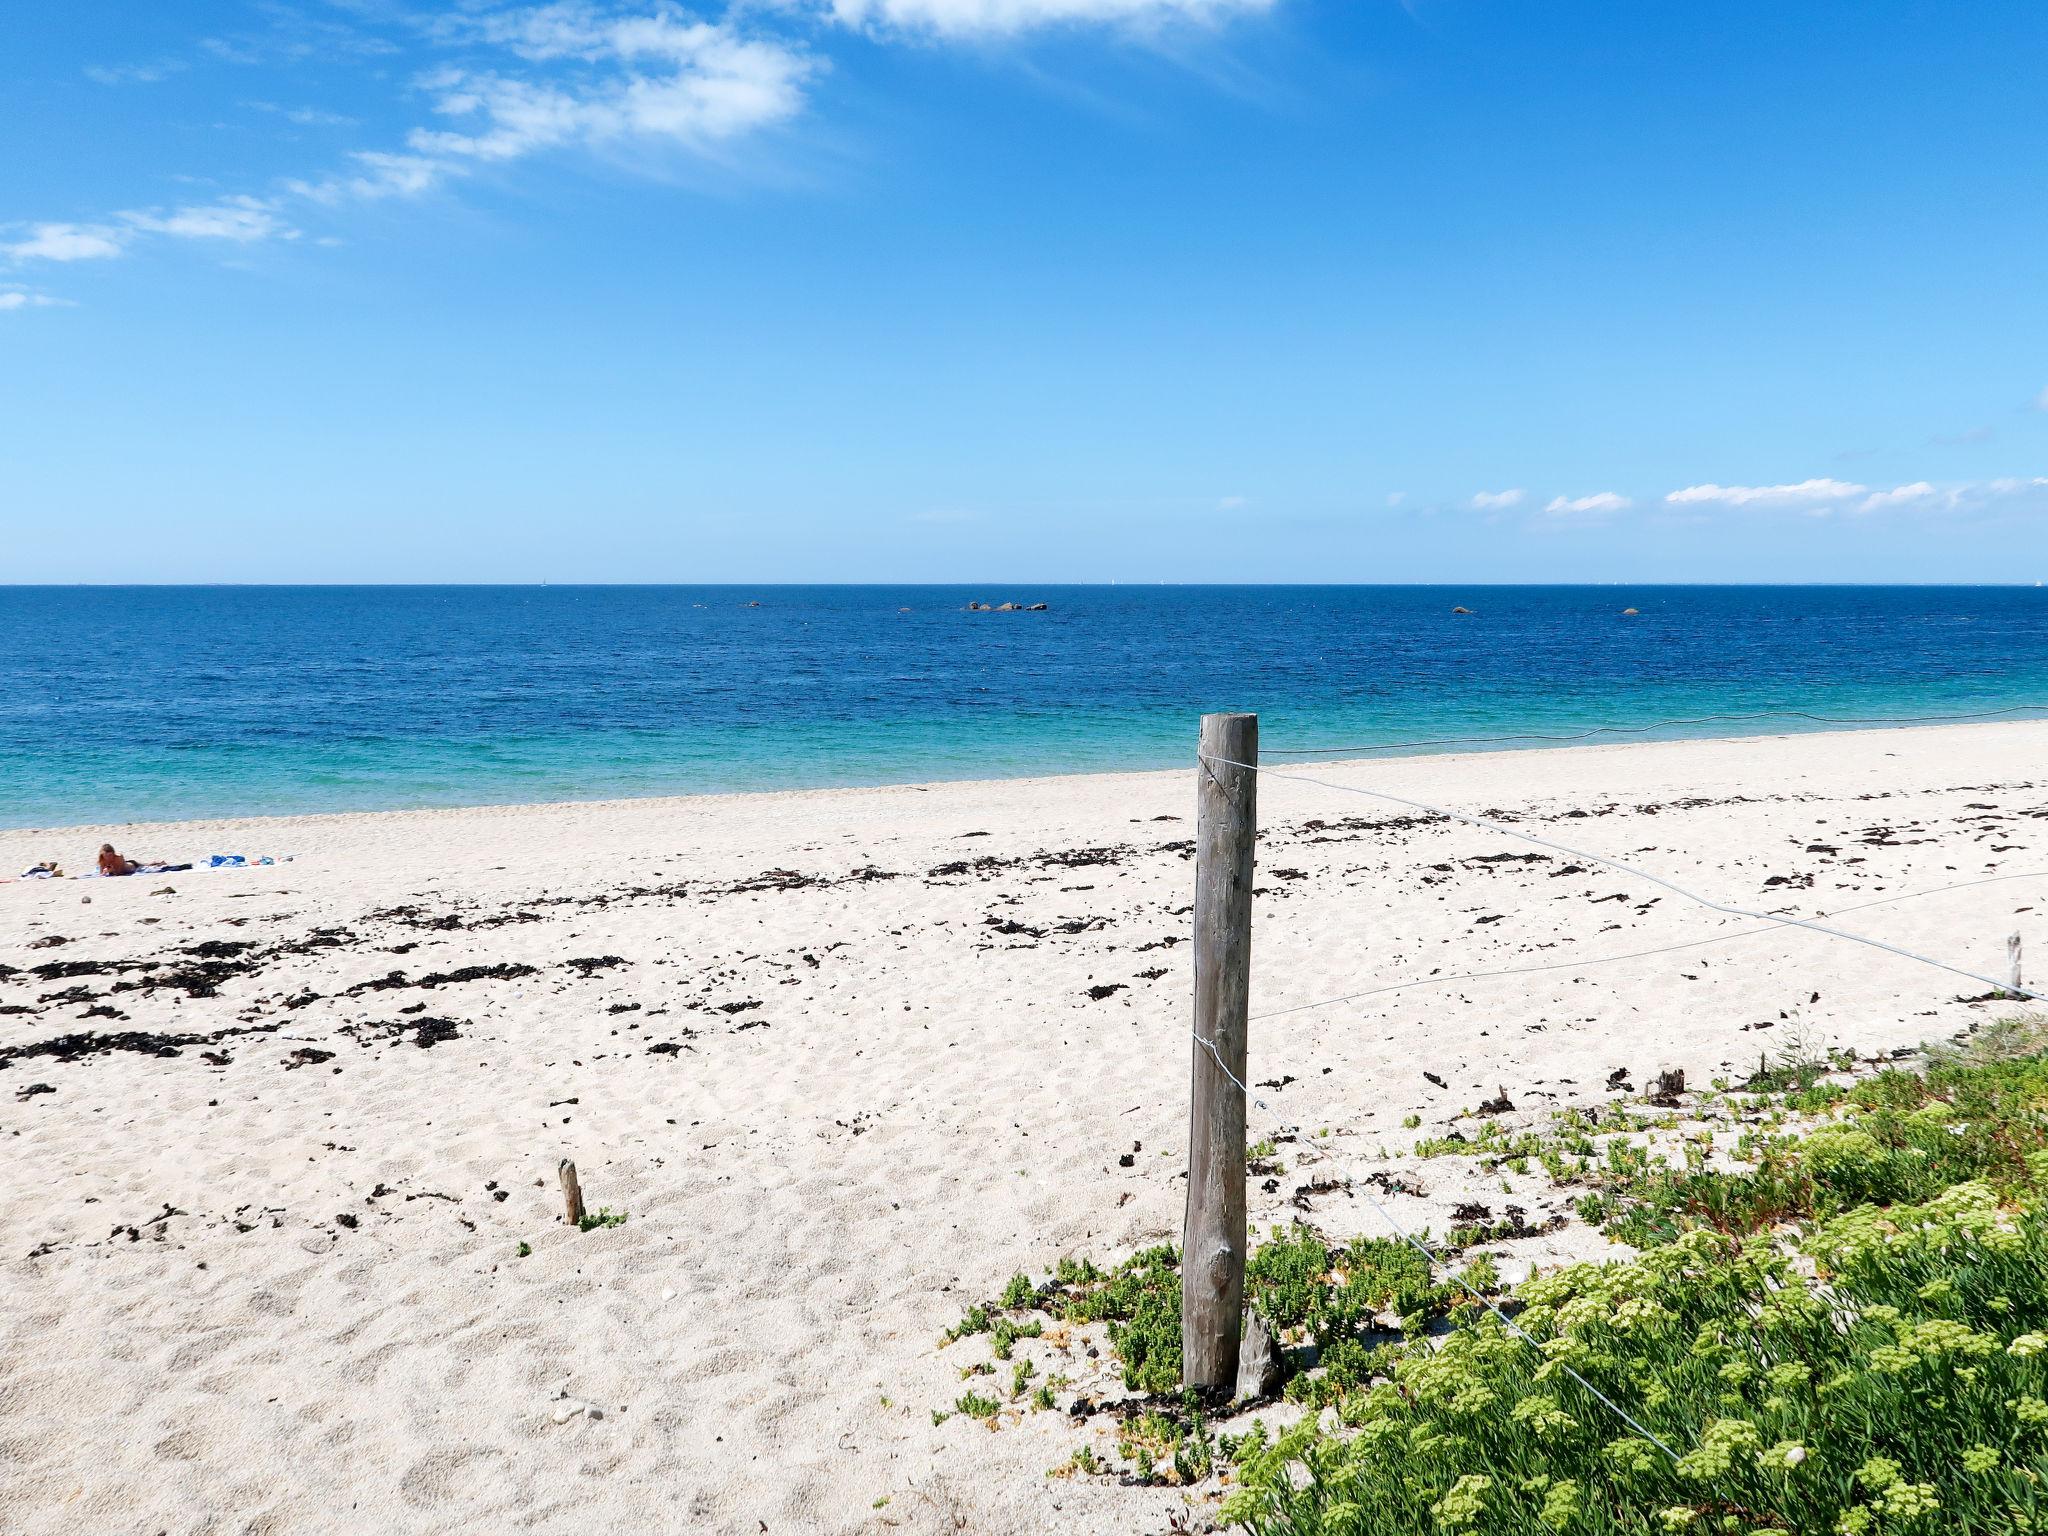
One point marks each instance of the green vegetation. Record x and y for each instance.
(975, 1406)
(1841, 1329)
(525, 1250)
(604, 1216)
(1082, 1462)
(1836, 1320)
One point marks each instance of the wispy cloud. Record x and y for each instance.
(1600, 502)
(375, 174)
(1497, 501)
(239, 220)
(66, 242)
(1822, 497)
(1000, 17)
(1968, 437)
(243, 220)
(1804, 493)
(133, 74)
(305, 117)
(1899, 496)
(656, 77)
(528, 79)
(2041, 401)
(27, 298)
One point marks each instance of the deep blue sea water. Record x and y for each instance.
(161, 702)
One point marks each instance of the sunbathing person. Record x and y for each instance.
(112, 863)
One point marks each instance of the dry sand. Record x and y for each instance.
(255, 1286)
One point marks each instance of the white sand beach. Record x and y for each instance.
(848, 1060)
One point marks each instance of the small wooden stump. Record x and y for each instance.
(1260, 1365)
(572, 1194)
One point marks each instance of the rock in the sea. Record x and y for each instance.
(1260, 1365)
(1038, 608)
(1006, 607)
(1630, 613)
(1461, 610)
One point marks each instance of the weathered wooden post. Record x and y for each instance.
(572, 1193)
(1213, 1235)
(2012, 964)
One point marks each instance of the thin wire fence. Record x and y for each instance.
(1773, 922)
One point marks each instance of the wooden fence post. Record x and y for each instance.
(572, 1193)
(1213, 1235)
(2012, 964)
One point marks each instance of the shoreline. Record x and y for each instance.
(285, 820)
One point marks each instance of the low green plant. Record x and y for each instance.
(1003, 1336)
(604, 1216)
(1167, 1445)
(1082, 1463)
(1844, 1334)
(975, 1406)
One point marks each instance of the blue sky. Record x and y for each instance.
(1184, 290)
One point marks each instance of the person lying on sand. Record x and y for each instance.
(112, 863)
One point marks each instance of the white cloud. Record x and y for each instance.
(240, 220)
(1000, 17)
(1395, 498)
(23, 298)
(1599, 501)
(1232, 504)
(1496, 501)
(1805, 493)
(658, 77)
(133, 74)
(1899, 496)
(305, 117)
(67, 242)
(708, 84)
(243, 220)
(571, 74)
(2041, 401)
(377, 174)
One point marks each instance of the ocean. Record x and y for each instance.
(150, 703)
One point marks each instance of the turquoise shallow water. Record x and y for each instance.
(165, 702)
